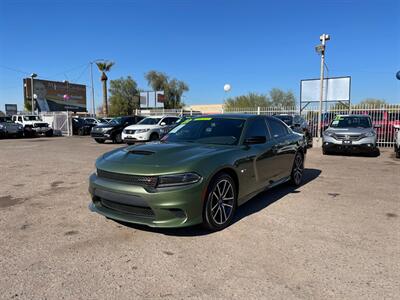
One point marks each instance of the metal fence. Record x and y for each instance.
(385, 116)
(61, 122)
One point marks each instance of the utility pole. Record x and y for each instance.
(321, 49)
(92, 88)
(33, 75)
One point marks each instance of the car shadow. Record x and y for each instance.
(254, 205)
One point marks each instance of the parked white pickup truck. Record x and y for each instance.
(33, 124)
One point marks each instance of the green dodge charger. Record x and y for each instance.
(199, 173)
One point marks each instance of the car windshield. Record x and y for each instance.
(5, 120)
(116, 121)
(32, 118)
(351, 121)
(150, 121)
(220, 131)
(287, 119)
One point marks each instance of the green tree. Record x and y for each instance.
(275, 98)
(250, 100)
(104, 67)
(173, 88)
(124, 96)
(373, 101)
(280, 98)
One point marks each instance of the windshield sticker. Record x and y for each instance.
(186, 121)
(339, 118)
(203, 119)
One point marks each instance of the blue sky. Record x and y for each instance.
(253, 45)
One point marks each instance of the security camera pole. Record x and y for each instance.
(321, 49)
(33, 75)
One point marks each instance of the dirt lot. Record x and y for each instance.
(337, 236)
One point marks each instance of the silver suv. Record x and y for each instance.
(350, 133)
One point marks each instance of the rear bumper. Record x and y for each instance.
(178, 207)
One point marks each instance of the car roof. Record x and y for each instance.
(353, 115)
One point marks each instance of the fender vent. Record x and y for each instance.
(140, 152)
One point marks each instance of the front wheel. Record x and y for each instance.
(221, 202)
(117, 139)
(297, 170)
(100, 141)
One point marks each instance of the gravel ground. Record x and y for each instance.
(335, 237)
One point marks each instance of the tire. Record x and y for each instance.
(117, 139)
(154, 137)
(220, 203)
(49, 133)
(81, 131)
(398, 153)
(100, 141)
(20, 135)
(296, 175)
(325, 152)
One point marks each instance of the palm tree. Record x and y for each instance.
(104, 67)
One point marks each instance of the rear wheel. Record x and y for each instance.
(100, 141)
(398, 153)
(220, 205)
(297, 169)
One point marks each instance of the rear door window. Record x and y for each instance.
(257, 127)
(277, 128)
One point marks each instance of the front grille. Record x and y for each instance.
(40, 125)
(130, 131)
(146, 181)
(144, 212)
(341, 137)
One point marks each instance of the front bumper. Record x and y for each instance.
(100, 135)
(366, 144)
(136, 137)
(167, 207)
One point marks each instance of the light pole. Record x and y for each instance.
(321, 50)
(92, 86)
(33, 75)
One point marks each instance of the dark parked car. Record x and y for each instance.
(81, 127)
(9, 128)
(298, 124)
(112, 130)
(200, 173)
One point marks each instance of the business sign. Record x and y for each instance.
(55, 95)
(152, 99)
(334, 89)
(11, 109)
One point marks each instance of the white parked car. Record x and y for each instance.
(397, 141)
(149, 129)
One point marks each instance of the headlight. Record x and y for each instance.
(107, 129)
(328, 134)
(142, 130)
(178, 179)
(20, 127)
(368, 134)
(1, 126)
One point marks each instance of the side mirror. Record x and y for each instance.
(163, 124)
(255, 140)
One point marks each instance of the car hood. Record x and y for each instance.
(348, 131)
(157, 158)
(140, 126)
(101, 125)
